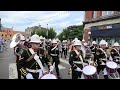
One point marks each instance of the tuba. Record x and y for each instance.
(15, 40)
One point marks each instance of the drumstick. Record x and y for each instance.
(53, 66)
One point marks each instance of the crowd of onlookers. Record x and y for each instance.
(3, 45)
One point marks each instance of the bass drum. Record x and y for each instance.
(90, 72)
(48, 76)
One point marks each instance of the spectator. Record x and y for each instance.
(1, 45)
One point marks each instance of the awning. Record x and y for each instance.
(105, 33)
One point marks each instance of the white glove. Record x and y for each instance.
(40, 73)
(29, 76)
(51, 68)
(36, 57)
(78, 69)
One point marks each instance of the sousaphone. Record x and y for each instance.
(15, 40)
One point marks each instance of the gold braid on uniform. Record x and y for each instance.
(23, 71)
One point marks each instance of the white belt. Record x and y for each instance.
(117, 57)
(54, 54)
(103, 59)
(77, 62)
(33, 71)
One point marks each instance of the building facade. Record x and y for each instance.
(6, 33)
(102, 25)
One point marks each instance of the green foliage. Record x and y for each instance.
(71, 32)
(47, 33)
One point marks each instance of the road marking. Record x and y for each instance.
(12, 71)
(61, 67)
(64, 61)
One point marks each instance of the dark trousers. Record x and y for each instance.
(19, 73)
(101, 67)
(65, 52)
(118, 70)
(76, 74)
(35, 75)
(56, 61)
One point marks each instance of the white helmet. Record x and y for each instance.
(75, 39)
(94, 42)
(54, 41)
(65, 41)
(85, 44)
(83, 40)
(57, 39)
(102, 42)
(35, 39)
(41, 37)
(77, 42)
(116, 44)
(22, 37)
(49, 40)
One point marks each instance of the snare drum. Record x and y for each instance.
(48, 76)
(111, 67)
(89, 72)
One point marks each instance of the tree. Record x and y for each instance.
(51, 33)
(71, 32)
(47, 33)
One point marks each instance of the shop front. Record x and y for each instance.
(110, 33)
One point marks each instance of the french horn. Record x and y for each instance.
(15, 40)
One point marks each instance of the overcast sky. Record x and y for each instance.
(20, 20)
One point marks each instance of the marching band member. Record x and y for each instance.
(54, 52)
(93, 49)
(18, 51)
(30, 63)
(102, 55)
(64, 48)
(75, 61)
(115, 54)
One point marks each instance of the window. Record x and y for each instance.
(104, 13)
(94, 14)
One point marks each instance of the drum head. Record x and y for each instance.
(111, 65)
(89, 70)
(49, 76)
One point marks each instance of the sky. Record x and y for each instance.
(58, 20)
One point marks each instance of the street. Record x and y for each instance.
(8, 66)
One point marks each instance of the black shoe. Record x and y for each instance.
(59, 77)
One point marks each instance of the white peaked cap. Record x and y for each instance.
(116, 44)
(77, 42)
(35, 39)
